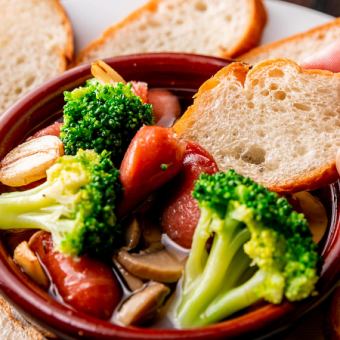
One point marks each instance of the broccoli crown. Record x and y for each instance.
(97, 229)
(260, 249)
(76, 204)
(280, 237)
(102, 117)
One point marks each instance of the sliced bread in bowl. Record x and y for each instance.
(276, 123)
(36, 43)
(222, 28)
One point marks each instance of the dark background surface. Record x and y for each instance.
(331, 7)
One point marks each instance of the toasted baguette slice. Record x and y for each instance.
(275, 123)
(36, 44)
(212, 27)
(296, 47)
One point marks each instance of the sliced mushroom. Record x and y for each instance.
(142, 305)
(152, 236)
(105, 73)
(30, 264)
(314, 212)
(132, 281)
(159, 266)
(132, 234)
(29, 161)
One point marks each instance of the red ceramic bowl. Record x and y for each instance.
(183, 74)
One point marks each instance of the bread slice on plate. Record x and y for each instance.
(296, 47)
(13, 326)
(36, 43)
(222, 28)
(275, 123)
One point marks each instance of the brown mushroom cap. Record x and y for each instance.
(158, 266)
(143, 304)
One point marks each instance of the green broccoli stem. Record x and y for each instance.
(209, 283)
(21, 209)
(198, 255)
(237, 271)
(233, 300)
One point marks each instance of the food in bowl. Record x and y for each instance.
(154, 157)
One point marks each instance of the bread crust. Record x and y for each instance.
(249, 39)
(308, 181)
(66, 55)
(254, 31)
(255, 52)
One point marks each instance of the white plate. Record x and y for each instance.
(91, 17)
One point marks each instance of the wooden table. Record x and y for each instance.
(331, 7)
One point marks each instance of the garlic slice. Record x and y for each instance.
(30, 264)
(105, 73)
(29, 161)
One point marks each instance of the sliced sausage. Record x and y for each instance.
(51, 130)
(181, 212)
(89, 286)
(166, 107)
(154, 156)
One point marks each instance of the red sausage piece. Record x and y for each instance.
(51, 130)
(154, 156)
(166, 107)
(89, 286)
(181, 212)
(140, 89)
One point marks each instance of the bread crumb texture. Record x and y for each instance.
(35, 44)
(13, 326)
(209, 27)
(280, 126)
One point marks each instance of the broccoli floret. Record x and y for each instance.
(76, 204)
(260, 249)
(102, 117)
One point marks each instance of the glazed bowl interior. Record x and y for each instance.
(182, 74)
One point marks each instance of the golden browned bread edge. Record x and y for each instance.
(249, 39)
(296, 37)
(311, 180)
(67, 54)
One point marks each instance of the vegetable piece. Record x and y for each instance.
(154, 157)
(132, 234)
(102, 117)
(86, 284)
(76, 204)
(142, 305)
(140, 89)
(151, 233)
(159, 265)
(26, 259)
(29, 161)
(165, 106)
(250, 227)
(105, 73)
(133, 282)
(181, 213)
